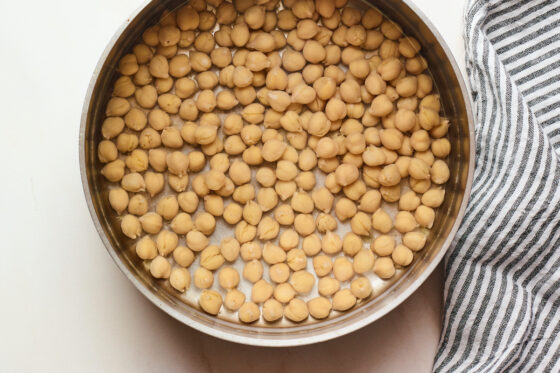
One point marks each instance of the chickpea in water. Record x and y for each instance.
(300, 130)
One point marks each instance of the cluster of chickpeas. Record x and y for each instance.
(289, 125)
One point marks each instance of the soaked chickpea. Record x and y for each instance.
(296, 310)
(160, 267)
(345, 209)
(381, 221)
(343, 300)
(384, 268)
(146, 248)
(402, 255)
(210, 301)
(371, 126)
(234, 299)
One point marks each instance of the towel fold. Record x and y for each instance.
(502, 286)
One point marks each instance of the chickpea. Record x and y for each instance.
(211, 258)
(384, 268)
(303, 94)
(177, 163)
(146, 248)
(346, 174)
(361, 224)
(227, 190)
(284, 215)
(345, 209)
(234, 145)
(203, 278)
(131, 227)
(221, 57)
(187, 18)
(182, 223)
(253, 271)
(402, 256)
(166, 242)
(257, 61)
(304, 224)
(361, 287)
(418, 169)
(188, 201)
(187, 38)
(284, 292)
(322, 264)
(118, 199)
(328, 286)
(272, 310)
(133, 182)
(207, 20)
(183, 256)
(273, 150)
(405, 120)
(234, 300)
(325, 88)
(210, 301)
(343, 300)
(425, 216)
(124, 87)
(151, 222)
(196, 240)
(419, 186)
(279, 273)
(142, 76)
(244, 193)
(370, 201)
(439, 172)
(268, 228)
(249, 312)
(150, 36)
(168, 207)
(180, 279)
(433, 198)
(363, 261)
(356, 35)
(342, 269)
(335, 109)
(351, 244)
(409, 201)
(383, 245)
(112, 127)
(205, 223)
(326, 148)
(160, 267)
(244, 232)
(312, 72)
(292, 60)
(128, 65)
(286, 20)
(415, 241)
(331, 243)
(405, 222)
(296, 259)
(339, 36)
(188, 111)
(381, 221)
(206, 101)
(296, 310)
(307, 159)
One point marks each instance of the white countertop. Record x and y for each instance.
(65, 305)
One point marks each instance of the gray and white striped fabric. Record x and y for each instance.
(502, 287)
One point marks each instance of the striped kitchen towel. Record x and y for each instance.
(502, 286)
